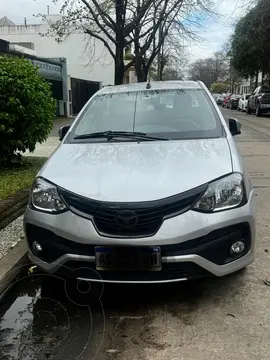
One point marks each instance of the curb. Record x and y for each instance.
(11, 265)
(13, 207)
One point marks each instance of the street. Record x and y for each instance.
(225, 318)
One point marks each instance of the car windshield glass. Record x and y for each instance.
(173, 114)
(265, 90)
(247, 96)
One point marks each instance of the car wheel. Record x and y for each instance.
(248, 110)
(258, 111)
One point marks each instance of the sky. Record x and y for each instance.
(217, 30)
(214, 33)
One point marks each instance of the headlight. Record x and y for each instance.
(222, 194)
(44, 197)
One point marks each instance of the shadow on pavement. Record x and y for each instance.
(44, 317)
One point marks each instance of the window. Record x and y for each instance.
(265, 89)
(174, 114)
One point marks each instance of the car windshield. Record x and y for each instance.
(171, 114)
(265, 90)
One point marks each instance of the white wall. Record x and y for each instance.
(92, 63)
(21, 49)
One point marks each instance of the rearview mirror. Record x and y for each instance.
(234, 126)
(62, 132)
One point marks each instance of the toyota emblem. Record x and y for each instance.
(126, 219)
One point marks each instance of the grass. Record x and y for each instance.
(19, 176)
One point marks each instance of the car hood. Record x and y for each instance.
(130, 171)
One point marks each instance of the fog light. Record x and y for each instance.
(36, 246)
(237, 248)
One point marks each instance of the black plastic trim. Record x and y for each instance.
(214, 246)
(100, 212)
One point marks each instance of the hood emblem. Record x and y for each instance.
(126, 219)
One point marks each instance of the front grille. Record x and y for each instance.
(149, 215)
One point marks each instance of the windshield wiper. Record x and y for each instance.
(113, 134)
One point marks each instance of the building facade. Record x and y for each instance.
(54, 70)
(246, 86)
(85, 60)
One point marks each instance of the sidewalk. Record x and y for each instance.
(45, 149)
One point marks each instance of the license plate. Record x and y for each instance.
(128, 259)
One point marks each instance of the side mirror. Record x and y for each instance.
(62, 132)
(234, 126)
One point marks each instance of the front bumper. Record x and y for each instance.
(192, 245)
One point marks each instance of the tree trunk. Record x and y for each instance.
(139, 71)
(119, 66)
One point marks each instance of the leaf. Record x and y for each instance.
(27, 108)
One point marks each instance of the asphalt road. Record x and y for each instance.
(44, 318)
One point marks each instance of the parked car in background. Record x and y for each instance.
(232, 102)
(259, 101)
(215, 95)
(142, 190)
(242, 104)
(226, 100)
(219, 99)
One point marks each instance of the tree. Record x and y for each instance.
(211, 70)
(121, 23)
(110, 22)
(171, 60)
(250, 43)
(27, 108)
(219, 88)
(173, 24)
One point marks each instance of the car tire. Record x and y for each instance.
(248, 110)
(258, 111)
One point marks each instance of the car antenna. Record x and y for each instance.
(148, 85)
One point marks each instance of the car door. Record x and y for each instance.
(257, 95)
(253, 98)
(244, 102)
(241, 101)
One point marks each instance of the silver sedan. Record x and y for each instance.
(146, 186)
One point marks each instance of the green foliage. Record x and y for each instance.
(219, 88)
(250, 46)
(27, 108)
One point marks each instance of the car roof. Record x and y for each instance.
(155, 85)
